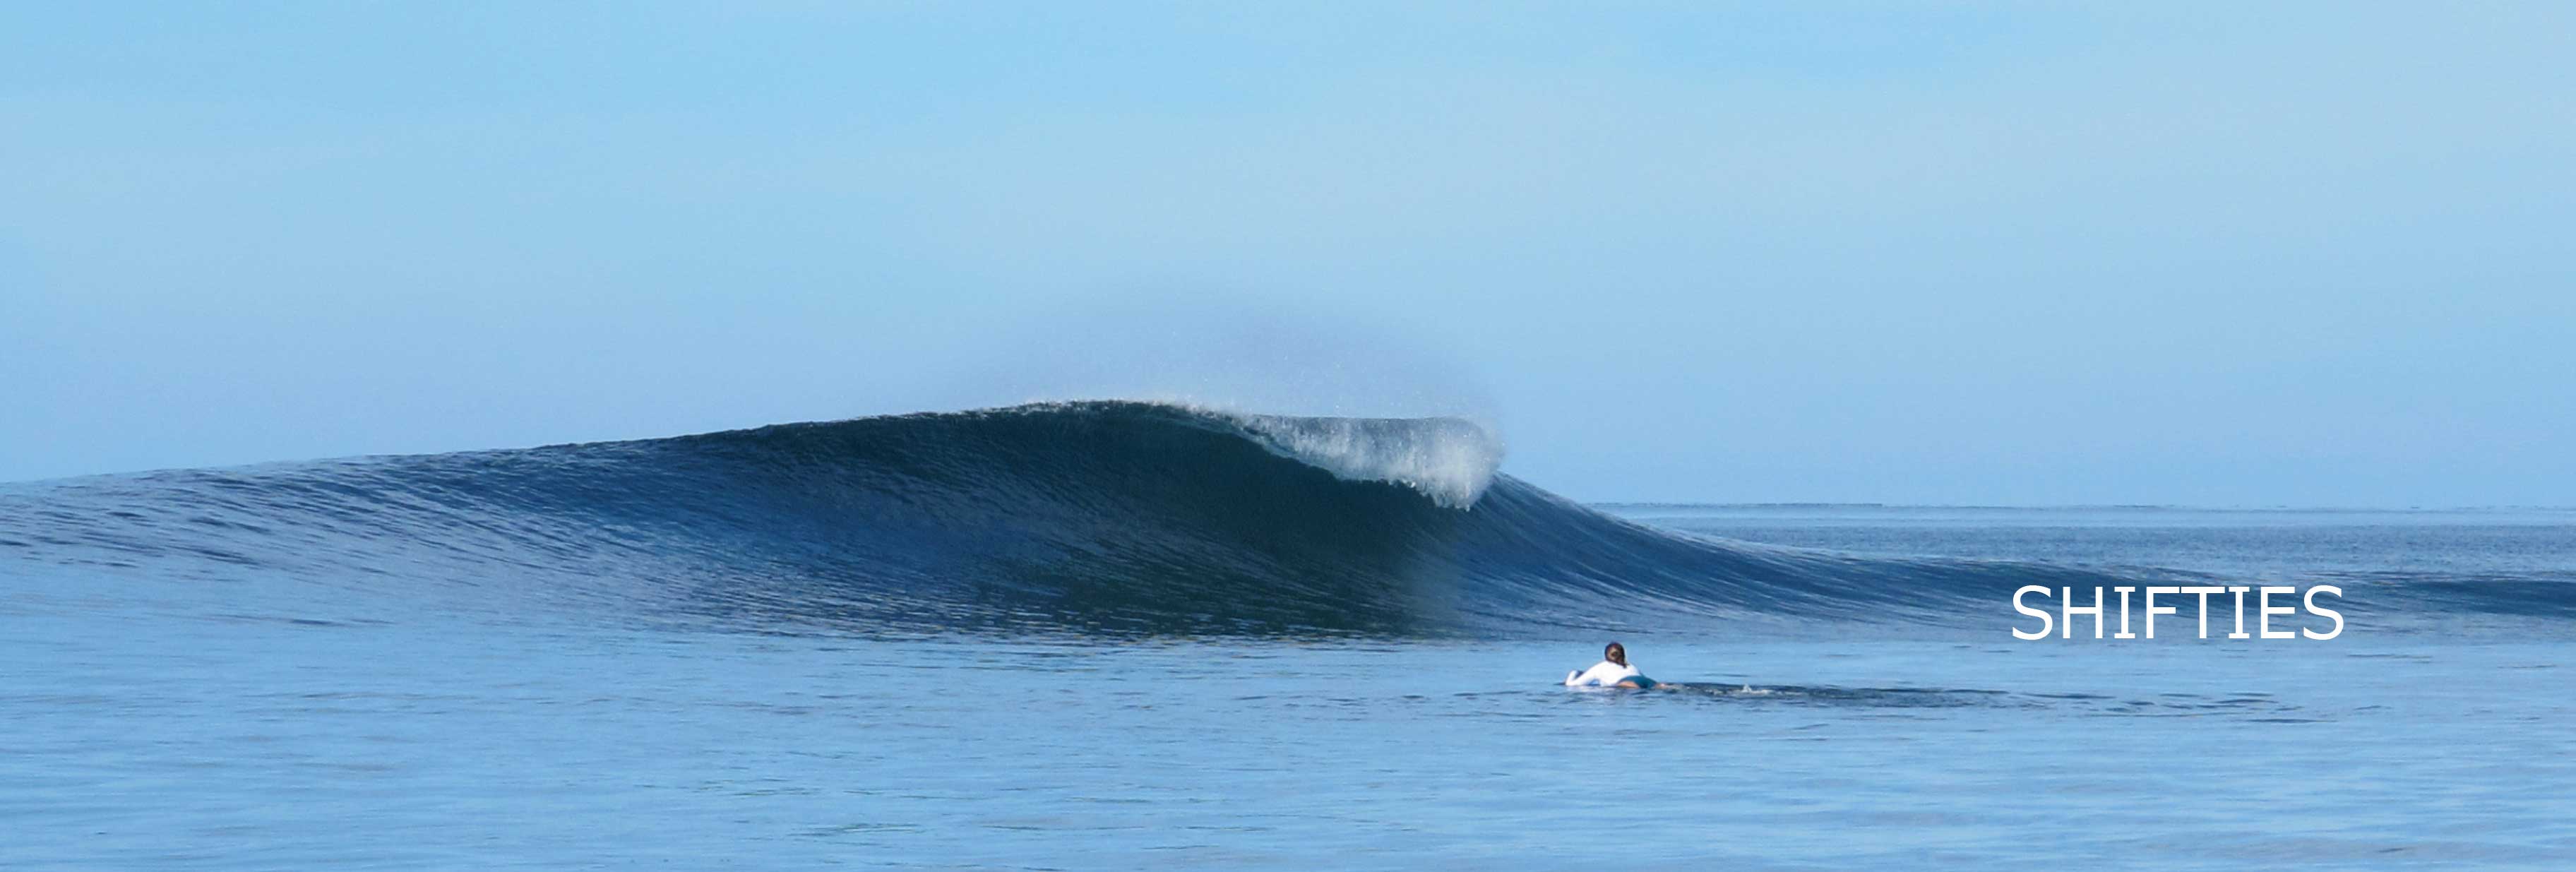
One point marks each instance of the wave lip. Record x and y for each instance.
(1450, 460)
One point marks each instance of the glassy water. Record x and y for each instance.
(216, 720)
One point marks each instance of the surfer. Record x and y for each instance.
(1612, 671)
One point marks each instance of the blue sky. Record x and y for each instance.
(2002, 253)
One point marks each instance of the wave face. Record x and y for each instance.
(1080, 518)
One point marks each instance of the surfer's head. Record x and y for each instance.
(1615, 654)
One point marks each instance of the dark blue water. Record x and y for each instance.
(1119, 636)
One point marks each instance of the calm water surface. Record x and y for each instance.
(145, 727)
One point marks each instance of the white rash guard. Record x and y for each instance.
(1602, 674)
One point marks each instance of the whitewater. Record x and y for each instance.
(1122, 635)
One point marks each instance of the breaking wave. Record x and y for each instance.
(1070, 518)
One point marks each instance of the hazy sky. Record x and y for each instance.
(2008, 253)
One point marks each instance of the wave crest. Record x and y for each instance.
(1451, 460)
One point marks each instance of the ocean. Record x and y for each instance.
(1118, 635)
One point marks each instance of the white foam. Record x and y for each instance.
(1451, 460)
